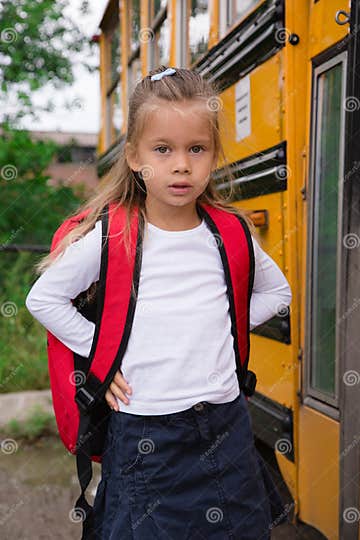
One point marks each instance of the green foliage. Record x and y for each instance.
(65, 155)
(23, 358)
(29, 157)
(31, 212)
(39, 44)
(31, 209)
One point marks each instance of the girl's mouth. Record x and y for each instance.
(179, 189)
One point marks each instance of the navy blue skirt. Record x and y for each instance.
(194, 474)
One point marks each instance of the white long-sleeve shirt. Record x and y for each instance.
(180, 350)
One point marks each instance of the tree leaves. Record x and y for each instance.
(39, 45)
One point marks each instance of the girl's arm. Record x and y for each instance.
(271, 291)
(49, 299)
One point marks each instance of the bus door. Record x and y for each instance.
(323, 277)
(349, 317)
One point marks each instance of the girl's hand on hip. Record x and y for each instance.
(117, 388)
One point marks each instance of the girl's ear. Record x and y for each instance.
(131, 157)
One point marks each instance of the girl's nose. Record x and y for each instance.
(181, 164)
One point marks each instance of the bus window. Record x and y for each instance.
(134, 6)
(162, 50)
(157, 6)
(238, 8)
(159, 44)
(113, 121)
(324, 249)
(199, 27)
(134, 74)
(117, 111)
(134, 63)
(114, 54)
(232, 11)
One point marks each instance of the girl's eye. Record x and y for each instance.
(162, 147)
(198, 146)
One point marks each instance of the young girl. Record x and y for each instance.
(179, 461)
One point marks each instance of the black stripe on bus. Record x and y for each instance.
(272, 424)
(259, 37)
(277, 328)
(260, 174)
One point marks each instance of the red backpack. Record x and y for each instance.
(79, 384)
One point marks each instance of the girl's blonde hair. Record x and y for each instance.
(123, 186)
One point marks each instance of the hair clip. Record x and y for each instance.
(158, 76)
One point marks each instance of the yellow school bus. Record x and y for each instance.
(289, 74)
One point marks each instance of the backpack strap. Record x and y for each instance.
(113, 296)
(239, 271)
(248, 377)
(83, 510)
(116, 304)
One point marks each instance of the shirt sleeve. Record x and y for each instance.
(49, 299)
(271, 290)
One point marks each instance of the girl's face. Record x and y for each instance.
(175, 146)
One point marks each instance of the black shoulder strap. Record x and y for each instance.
(83, 511)
(248, 378)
